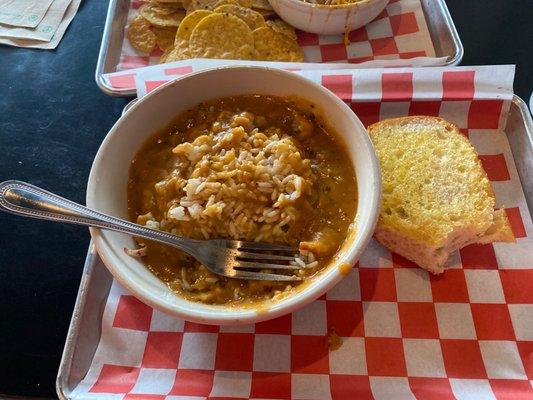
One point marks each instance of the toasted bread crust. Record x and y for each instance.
(436, 195)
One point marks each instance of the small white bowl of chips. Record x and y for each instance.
(328, 17)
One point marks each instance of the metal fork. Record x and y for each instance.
(231, 258)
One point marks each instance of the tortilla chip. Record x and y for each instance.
(262, 5)
(267, 14)
(140, 36)
(201, 5)
(163, 16)
(164, 37)
(163, 58)
(282, 27)
(274, 46)
(222, 36)
(189, 23)
(180, 52)
(164, 9)
(252, 18)
(212, 4)
(242, 3)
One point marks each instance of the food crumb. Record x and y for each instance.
(334, 340)
(346, 36)
(140, 252)
(344, 269)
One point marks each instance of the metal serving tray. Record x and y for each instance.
(85, 329)
(445, 39)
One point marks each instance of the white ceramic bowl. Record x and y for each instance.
(328, 20)
(106, 189)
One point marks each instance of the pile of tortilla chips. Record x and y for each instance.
(224, 29)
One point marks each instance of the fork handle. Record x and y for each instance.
(21, 198)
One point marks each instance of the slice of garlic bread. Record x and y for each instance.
(436, 196)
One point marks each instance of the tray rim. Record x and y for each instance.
(526, 116)
(102, 54)
(61, 383)
(454, 60)
(74, 325)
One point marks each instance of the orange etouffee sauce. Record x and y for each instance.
(325, 222)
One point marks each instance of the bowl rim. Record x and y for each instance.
(329, 7)
(203, 313)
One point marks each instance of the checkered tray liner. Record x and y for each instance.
(467, 334)
(399, 36)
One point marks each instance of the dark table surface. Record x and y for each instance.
(52, 120)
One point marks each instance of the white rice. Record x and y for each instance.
(253, 180)
(238, 182)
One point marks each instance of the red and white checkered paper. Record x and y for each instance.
(467, 334)
(398, 37)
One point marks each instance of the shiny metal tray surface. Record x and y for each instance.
(445, 39)
(84, 331)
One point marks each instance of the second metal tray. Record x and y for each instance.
(444, 36)
(85, 326)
